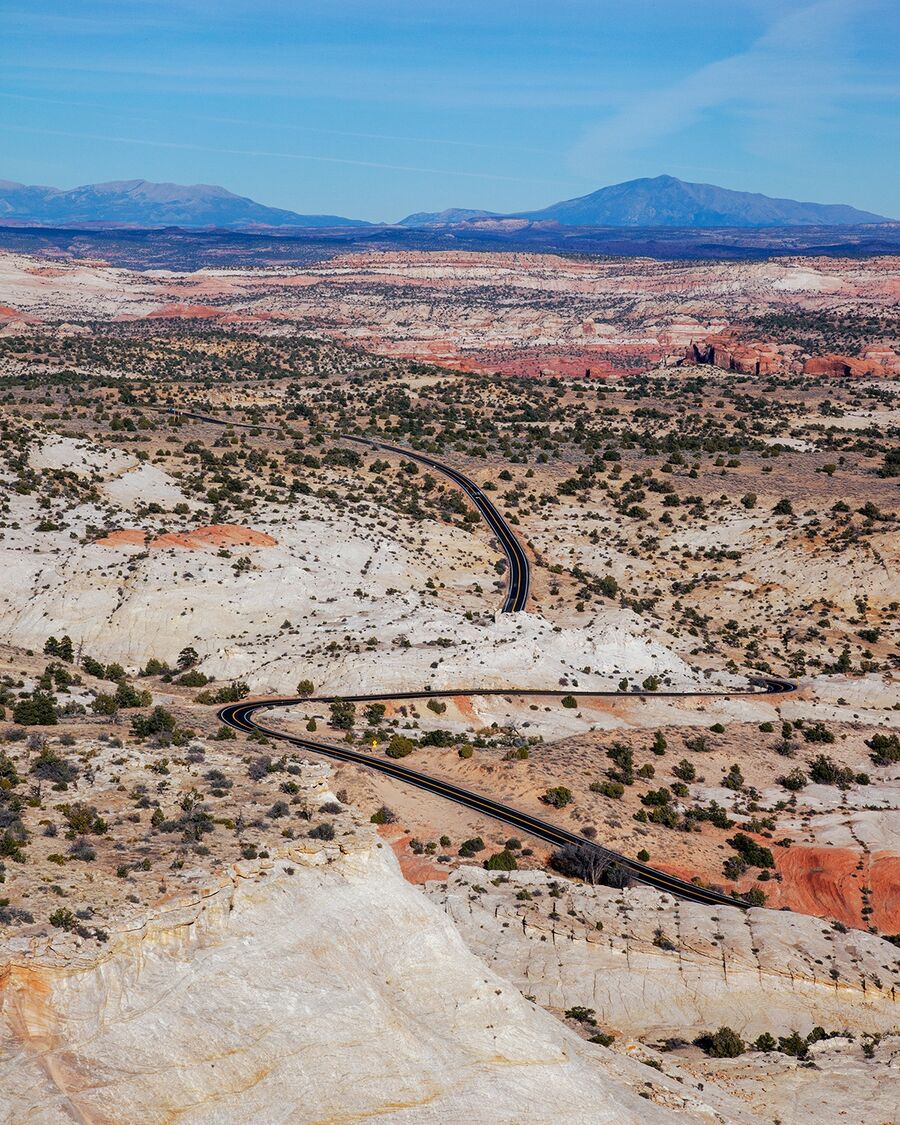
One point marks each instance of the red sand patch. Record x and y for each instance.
(884, 879)
(127, 537)
(415, 868)
(828, 882)
(185, 312)
(215, 535)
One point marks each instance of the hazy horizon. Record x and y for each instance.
(385, 108)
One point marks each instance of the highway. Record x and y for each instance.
(240, 716)
(519, 574)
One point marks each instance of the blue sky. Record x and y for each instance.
(375, 108)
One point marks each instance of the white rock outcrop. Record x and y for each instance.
(319, 988)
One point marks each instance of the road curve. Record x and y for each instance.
(239, 716)
(519, 578)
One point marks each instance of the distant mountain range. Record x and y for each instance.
(140, 203)
(665, 201)
(662, 201)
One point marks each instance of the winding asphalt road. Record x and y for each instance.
(240, 716)
(519, 577)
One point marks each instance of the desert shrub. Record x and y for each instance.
(440, 738)
(751, 852)
(159, 721)
(793, 1044)
(374, 713)
(61, 648)
(51, 766)
(83, 850)
(818, 732)
(885, 749)
(93, 667)
(192, 678)
(384, 815)
(104, 704)
(37, 709)
(589, 863)
(63, 919)
(13, 915)
(501, 861)
(733, 779)
(83, 820)
(793, 781)
(399, 746)
(128, 696)
(557, 797)
(614, 789)
(685, 770)
(825, 771)
(722, 1044)
(343, 714)
(323, 831)
(468, 848)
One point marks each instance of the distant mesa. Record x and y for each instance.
(447, 217)
(201, 538)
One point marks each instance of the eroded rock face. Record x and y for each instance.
(318, 986)
(728, 354)
(652, 966)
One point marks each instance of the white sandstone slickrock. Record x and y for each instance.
(329, 575)
(650, 965)
(333, 992)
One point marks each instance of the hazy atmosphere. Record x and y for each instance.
(374, 109)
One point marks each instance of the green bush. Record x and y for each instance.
(501, 861)
(722, 1044)
(751, 852)
(399, 746)
(557, 797)
(685, 770)
(159, 721)
(384, 815)
(614, 789)
(885, 749)
(35, 710)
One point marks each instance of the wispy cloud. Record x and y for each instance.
(268, 153)
(786, 78)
